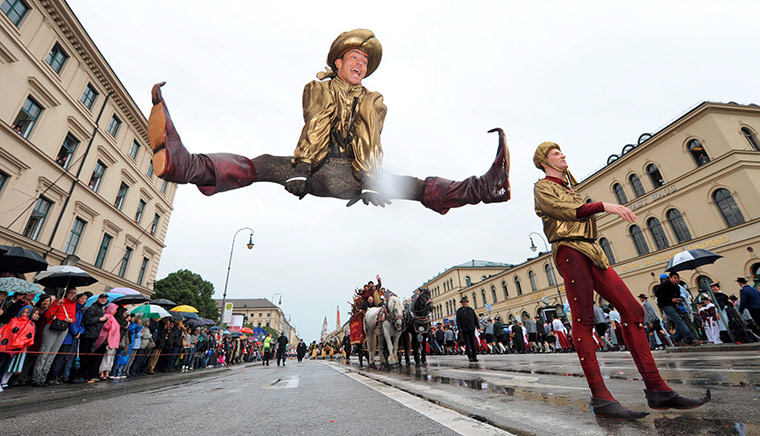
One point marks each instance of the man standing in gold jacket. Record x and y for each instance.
(570, 225)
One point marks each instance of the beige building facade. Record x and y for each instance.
(693, 184)
(260, 312)
(76, 175)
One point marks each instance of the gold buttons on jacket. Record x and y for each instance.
(572, 281)
(575, 298)
(579, 339)
(582, 359)
(579, 320)
(641, 325)
(625, 324)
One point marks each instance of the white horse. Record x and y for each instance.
(392, 321)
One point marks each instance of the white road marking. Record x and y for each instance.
(287, 383)
(457, 422)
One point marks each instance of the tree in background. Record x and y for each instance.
(187, 287)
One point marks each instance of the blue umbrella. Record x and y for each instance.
(111, 296)
(214, 328)
(190, 315)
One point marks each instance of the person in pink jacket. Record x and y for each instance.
(110, 335)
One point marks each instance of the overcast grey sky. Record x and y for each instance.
(591, 76)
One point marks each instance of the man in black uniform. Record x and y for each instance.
(282, 342)
(467, 322)
(347, 347)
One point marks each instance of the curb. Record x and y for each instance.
(38, 399)
(712, 348)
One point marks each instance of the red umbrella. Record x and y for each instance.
(246, 330)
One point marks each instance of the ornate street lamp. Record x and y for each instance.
(229, 265)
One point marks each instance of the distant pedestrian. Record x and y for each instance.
(282, 346)
(467, 322)
(749, 299)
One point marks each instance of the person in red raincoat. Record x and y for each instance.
(15, 337)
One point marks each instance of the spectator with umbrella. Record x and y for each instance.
(61, 369)
(668, 296)
(15, 337)
(93, 318)
(59, 316)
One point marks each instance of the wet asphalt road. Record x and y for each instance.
(530, 394)
(523, 395)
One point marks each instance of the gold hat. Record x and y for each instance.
(361, 39)
(539, 157)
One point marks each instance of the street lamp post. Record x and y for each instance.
(276, 294)
(229, 265)
(533, 248)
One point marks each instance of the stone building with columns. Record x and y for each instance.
(76, 174)
(695, 183)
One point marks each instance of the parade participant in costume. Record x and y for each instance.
(709, 316)
(570, 225)
(560, 335)
(338, 153)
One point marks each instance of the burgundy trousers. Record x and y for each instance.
(581, 279)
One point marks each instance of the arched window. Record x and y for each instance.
(703, 283)
(728, 208)
(444, 286)
(678, 225)
(493, 294)
(751, 138)
(655, 176)
(638, 188)
(620, 193)
(638, 240)
(504, 287)
(550, 274)
(755, 271)
(605, 243)
(658, 233)
(483, 278)
(467, 281)
(532, 277)
(474, 300)
(518, 286)
(448, 308)
(483, 294)
(698, 152)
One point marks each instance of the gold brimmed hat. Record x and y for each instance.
(361, 39)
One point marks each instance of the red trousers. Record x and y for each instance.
(582, 278)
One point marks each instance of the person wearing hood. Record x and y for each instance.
(93, 318)
(61, 368)
(60, 316)
(15, 337)
(108, 341)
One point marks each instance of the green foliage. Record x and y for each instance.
(275, 334)
(187, 287)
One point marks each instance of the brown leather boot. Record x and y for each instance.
(672, 400)
(441, 194)
(613, 409)
(212, 173)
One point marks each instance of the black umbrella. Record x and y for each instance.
(131, 299)
(206, 321)
(64, 276)
(691, 259)
(189, 315)
(163, 302)
(22, 260)
(3, 249)
(194, 323)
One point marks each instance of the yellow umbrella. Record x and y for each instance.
(184, 308)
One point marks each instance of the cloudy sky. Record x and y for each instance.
(591, 76)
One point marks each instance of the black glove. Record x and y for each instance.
(300, 184)
(368, 194)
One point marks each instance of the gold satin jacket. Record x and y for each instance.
(327, 114)
(556, 205)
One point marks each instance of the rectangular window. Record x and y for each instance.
(121, 195)
(143, 267)
(164, 185)
(66, 153)
(140, 210)
(269, 313)
(125, 261)
(3, 178)
(15, 10)
(154, 226)
(76, 233)
(134, 149)
(150, 169)
(103, 250)
(97, 176)
(56, 58)
(113, 126)
(89, 96)
(37, 219)
(27, 117)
